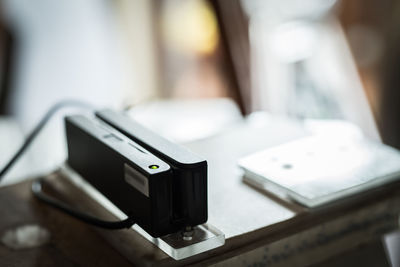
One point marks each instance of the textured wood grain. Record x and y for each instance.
(72, 243)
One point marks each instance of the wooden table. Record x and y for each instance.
(258, 227)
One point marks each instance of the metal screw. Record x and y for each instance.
(188, 233)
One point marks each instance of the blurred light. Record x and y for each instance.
(190, 26)
(294, 41)
(282, 10)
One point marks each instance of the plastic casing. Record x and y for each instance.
(189, 191)
(101, 156)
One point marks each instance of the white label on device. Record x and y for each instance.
(136, 179)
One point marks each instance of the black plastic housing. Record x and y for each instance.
(119, 168)
(189, 193)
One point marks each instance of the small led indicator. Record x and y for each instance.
(153, 167)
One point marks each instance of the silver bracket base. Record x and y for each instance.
(181, 245)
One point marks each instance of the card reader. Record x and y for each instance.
(189, 183)
(161, 184)
(132, 178)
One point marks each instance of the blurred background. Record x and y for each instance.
(208, 61)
